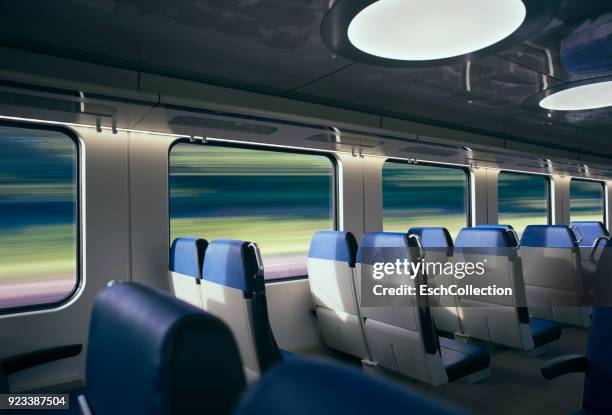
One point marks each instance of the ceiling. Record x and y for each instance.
(274, 46)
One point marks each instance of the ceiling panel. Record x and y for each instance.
(274, 46)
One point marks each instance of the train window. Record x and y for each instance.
(38, 217)
(587, 200)
(523, 199)
(277, 199)
(424, 195)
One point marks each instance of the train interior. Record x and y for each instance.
(196, 196)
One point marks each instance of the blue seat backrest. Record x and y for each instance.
(548, 236)
(598, 379)
(490, 240)
(187, 256)
(302, 387)
(590, 231)
(383, 247)
(507, 228)
(389, 247)
(233, 264)
(334, 246)
(150, 353)
(433, 237)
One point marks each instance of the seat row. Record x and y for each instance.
(545, 268)
(151, 353)
(226, 278)
(401, 338)
(542, 268)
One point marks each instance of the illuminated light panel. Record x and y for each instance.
(580, 98)
(421, 30)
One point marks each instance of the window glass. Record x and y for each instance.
(587, 200)
(424, 195)
(523, 200)
(38, 217)
(276, 199)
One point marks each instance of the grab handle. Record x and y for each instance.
(419, 245)
(577, 233)
(595, 246)
(258, 259)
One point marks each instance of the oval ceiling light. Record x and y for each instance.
(430, 32)
(438, 29)
(580, 98)
(586, 95)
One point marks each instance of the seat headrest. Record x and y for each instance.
(433, 237)
(485, 237)
(187, 256)
(383, 247)
(507, 228)
(234, 264)
(548, 236)
(494, 226)
(302, 387)
(334, 246)
(590, 231)
(150, 353)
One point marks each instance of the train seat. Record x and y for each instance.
(592, 234)
(233, 289)
(590, 231)
(401, 333)
(150, 353)
(304, 388)
(596, 365)
(552, 274)
(498, 319)
(331, 274)
(509, 228)
(186, 261)
(438, 248)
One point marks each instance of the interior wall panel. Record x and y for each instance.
(105, 257)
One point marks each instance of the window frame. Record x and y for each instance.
(549, 191)
(467, 171)
(604, 188)
(79, 280)
(269, 148)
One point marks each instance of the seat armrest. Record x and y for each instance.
(25, 361)
(563, 365)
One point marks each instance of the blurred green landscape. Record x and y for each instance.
(38, 207)
(275, 199)
(422, 195)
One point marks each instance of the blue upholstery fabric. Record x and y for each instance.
(301, 387)
(507, 228)
(383, 247)
(461, 359)
(590, 231)
(233, 264)
(602, 281)
(495, 226)
(548, 236)
(544, 331)
(334, 245)
(187, 256)
(433, 237)
(598, 379)
(486, 237)
(150, 353)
